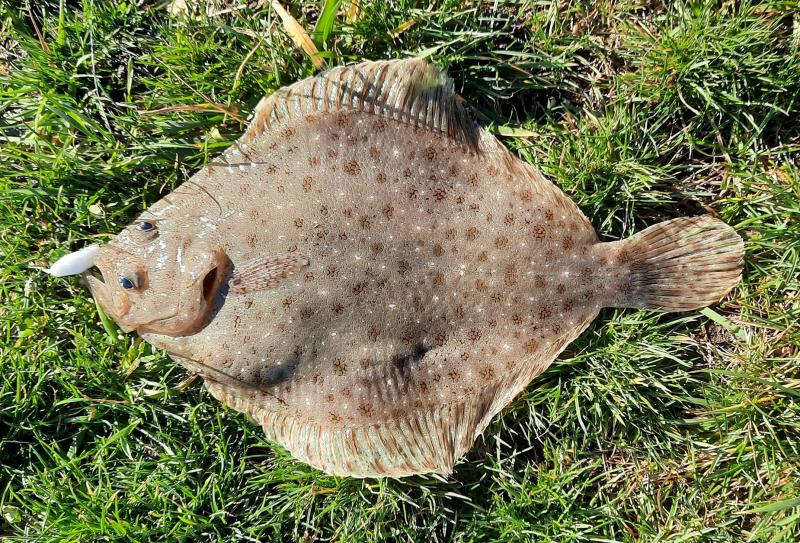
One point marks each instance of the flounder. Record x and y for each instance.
(372, 276)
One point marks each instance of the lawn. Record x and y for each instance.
(650, 427)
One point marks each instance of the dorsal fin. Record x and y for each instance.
(411, 91)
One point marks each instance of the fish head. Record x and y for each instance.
(161, 277)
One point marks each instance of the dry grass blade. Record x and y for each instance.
(299, 35)
(193, 107)
(177, 7)
(353, 11)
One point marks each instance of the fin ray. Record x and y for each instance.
(265, 273)
(411, 91)
(682, 264)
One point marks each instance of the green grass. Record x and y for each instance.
(648, 428)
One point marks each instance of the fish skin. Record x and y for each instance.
(430, 273)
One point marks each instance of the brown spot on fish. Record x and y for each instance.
(352, 167)
(373, 333)
(339, 367)
(510, 276)
(530, 346)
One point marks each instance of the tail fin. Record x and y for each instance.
(682, 264)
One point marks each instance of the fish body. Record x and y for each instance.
(371, 276)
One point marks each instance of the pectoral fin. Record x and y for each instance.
(267, 272)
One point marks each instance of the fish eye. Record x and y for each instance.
(132, 279)
(144, 231)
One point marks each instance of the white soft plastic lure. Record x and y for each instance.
(74, 263)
